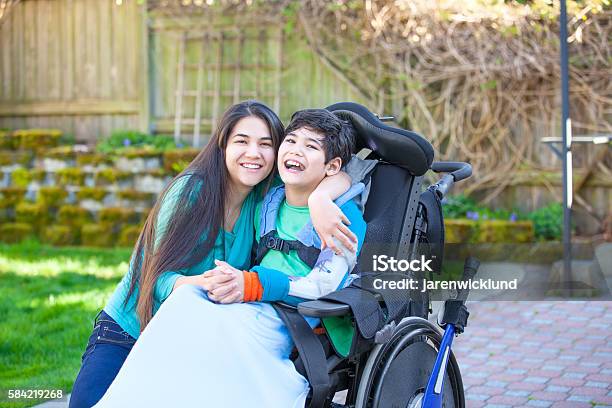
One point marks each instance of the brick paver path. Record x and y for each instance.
(537, 354)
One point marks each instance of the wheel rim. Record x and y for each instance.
(394, 380)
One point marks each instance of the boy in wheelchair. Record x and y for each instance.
(238, 354)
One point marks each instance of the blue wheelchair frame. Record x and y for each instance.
(435, 386)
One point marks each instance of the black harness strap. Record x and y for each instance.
(313, 356)
(271, 240)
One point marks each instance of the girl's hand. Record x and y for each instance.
(330, 222)
(231, 291)
(209, 280)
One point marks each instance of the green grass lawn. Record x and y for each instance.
(48, 299)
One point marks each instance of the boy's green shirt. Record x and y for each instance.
(290, 220)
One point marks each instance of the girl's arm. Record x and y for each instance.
(327, 219)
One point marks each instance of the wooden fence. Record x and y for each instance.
(72, 64)
(90, 66)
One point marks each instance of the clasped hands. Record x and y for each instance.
(225, 284)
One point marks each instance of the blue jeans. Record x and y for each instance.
(106, 351)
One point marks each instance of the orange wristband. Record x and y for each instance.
(253, 291)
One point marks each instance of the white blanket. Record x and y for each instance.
(195, 353)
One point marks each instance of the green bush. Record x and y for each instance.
(9, 196)
(34, 214)
(117, 215)
(15, 232)
(20, 157)
(35, 139)
(52, 196)
(91, 193)
(462, 206)
(548, 222)
(60, 153)
(129, 139)
(59, 235)
(22, 177)
(129, 235)
(176, 161)
(111, 176)
(93, 159)
(505, 231)
(7, 141)
(134, 195)
(71, 175)
(73, 215)
(97, 235)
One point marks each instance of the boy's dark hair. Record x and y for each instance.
(339, 134)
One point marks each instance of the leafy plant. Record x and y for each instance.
(548, 221)
(122, 140)
(462, 206)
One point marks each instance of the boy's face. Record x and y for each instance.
(301, 160)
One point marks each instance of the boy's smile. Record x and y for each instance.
(301, 164)
(301, 159)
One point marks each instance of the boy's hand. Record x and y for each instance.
(230, 291)
(330, 222)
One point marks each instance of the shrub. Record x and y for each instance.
(97, 235)
(505, 231)
(73, 215)
(143, 152)
(91, 193)
(129, 235)
(459, 231)
(11, 195)
(129, 139)
(93, 159)
(176, 161)
(548, 221)
(7, 141)
(134, 195)
(60, 235)
(9, 157)
(60, 153)
(71, 175)
(15, 232)
(116, 215)
(35, 139)
(34, 214)
(111, 176)
(462, 206)
(51, 196)
(22, 177)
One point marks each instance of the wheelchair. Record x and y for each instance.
(401, 359)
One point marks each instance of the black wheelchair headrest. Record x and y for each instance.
(400, 147)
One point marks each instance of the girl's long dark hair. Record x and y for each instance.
(200, 210)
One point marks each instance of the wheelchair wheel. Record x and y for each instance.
(396, 373)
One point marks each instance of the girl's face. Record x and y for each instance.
(249, 155)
